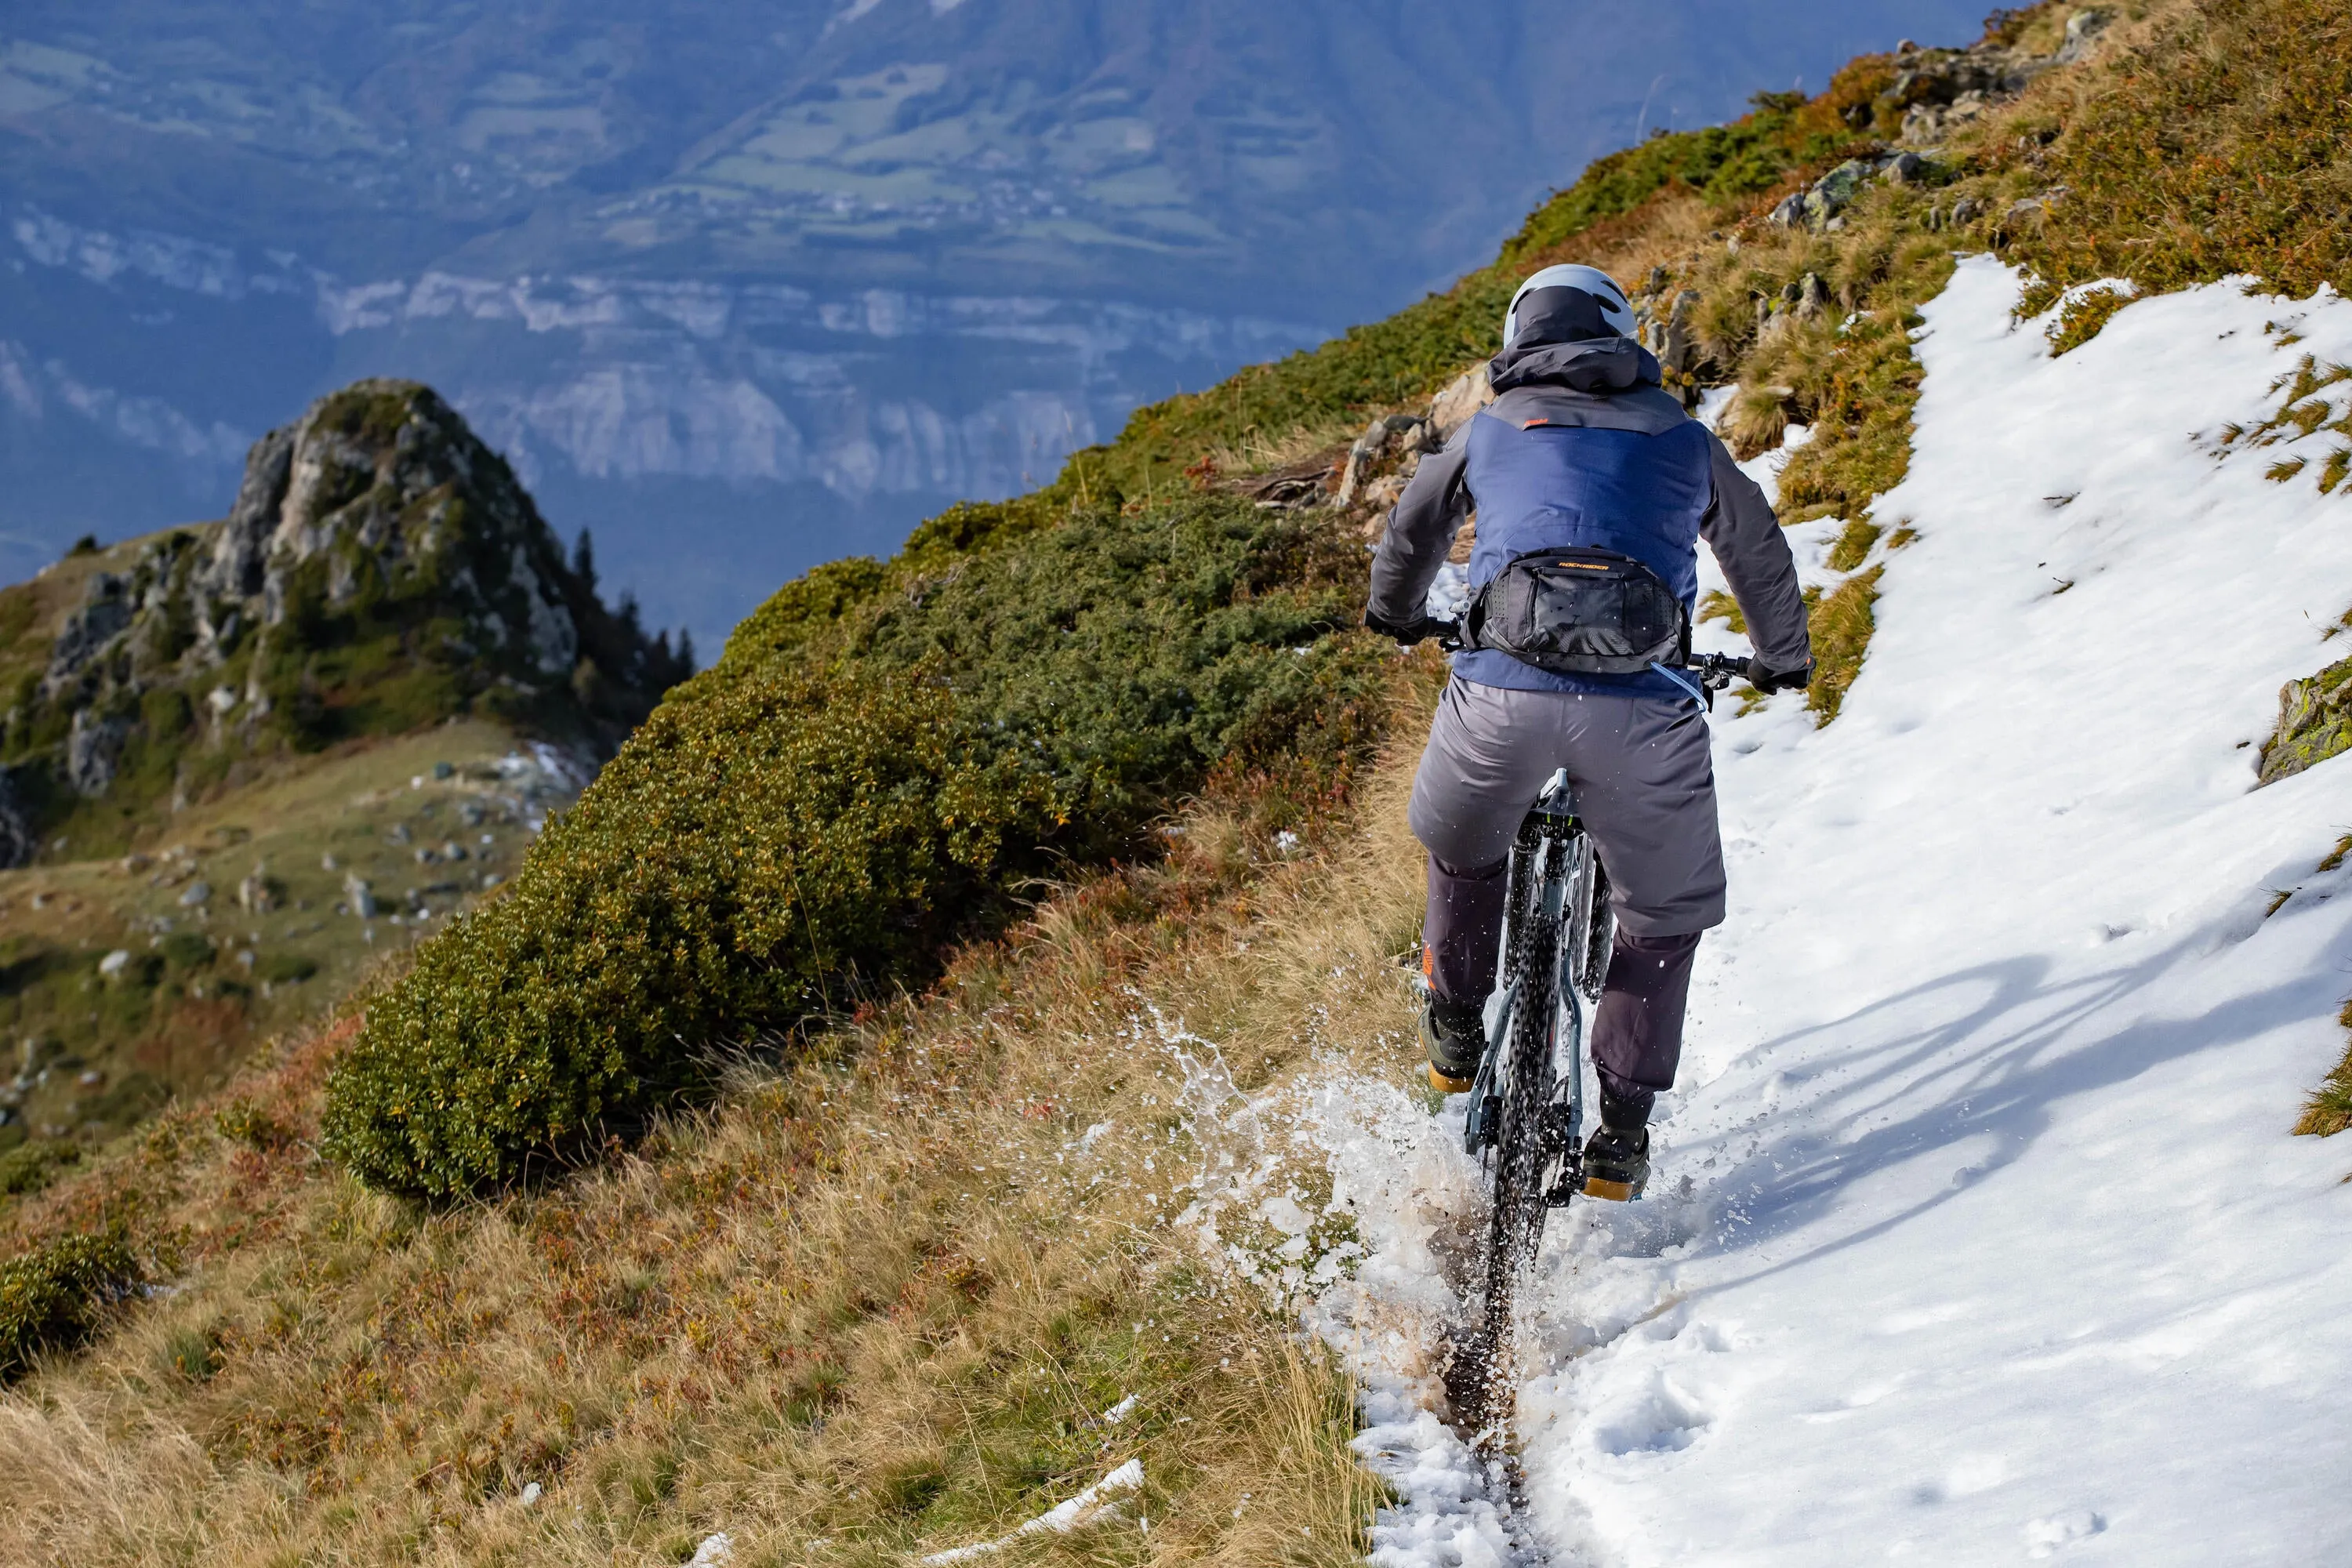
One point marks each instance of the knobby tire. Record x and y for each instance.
(1520, 1156)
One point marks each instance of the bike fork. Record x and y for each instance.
(1563, 1115)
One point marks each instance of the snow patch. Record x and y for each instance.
(1093, 1506)
(1977, 1233)
(1982, 1233)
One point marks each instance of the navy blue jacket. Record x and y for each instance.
(1583, 447)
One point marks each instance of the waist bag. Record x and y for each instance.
(1579, 612)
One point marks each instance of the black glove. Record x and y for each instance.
(1406, 635)
(1763, 679)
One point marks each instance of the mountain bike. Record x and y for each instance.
(1524, 1119)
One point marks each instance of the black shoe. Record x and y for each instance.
(1454, 1035)
(1617, 1156)
(1616, 1162)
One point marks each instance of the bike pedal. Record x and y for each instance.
(1614, 1192)
(1445, 1085)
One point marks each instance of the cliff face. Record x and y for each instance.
(382, 570)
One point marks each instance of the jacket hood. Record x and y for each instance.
(1597, 366)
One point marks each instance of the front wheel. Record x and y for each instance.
(1525, 1145)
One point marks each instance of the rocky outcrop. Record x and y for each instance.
(104, 615)
(1936, 92)
(1821, 206)
(1392, 433)
(2315, 724)
(1667, 326)
(380, 569)
(380, 493)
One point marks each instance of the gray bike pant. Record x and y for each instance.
(1644, 786)
(1642, 777)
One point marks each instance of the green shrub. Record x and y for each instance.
(2083, 318)
(54, 1297)
(241, 1121)
(187, 950)
(286, 968)
(804, 608)
(29, 1167)
(792, 833)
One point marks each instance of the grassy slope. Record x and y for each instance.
(656, 1338)
(187, 1007)
(874, 1303)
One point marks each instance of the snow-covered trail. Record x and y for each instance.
(1978, 1235)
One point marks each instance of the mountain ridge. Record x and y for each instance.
(1291, 172)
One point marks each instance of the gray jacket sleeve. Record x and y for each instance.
(1745, 538)
(1421, 530)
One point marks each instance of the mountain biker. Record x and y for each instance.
(1581, 447)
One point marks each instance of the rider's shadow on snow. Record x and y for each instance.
(1986, 1075)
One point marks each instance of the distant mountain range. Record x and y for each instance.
(747, 287)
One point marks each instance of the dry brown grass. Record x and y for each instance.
(1261, 451)
(872, 1306)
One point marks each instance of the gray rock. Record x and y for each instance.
(383, 482)
(1395, 432)
(2315, 724)
(1674, 337)
(1835, 191)
(103, 615)
(93, 747)
(359, 896)
(198, 893)
(18, 844)
(2084, 30)
(241, 550)
(1463, 396)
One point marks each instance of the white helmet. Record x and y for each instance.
(1604, 289)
